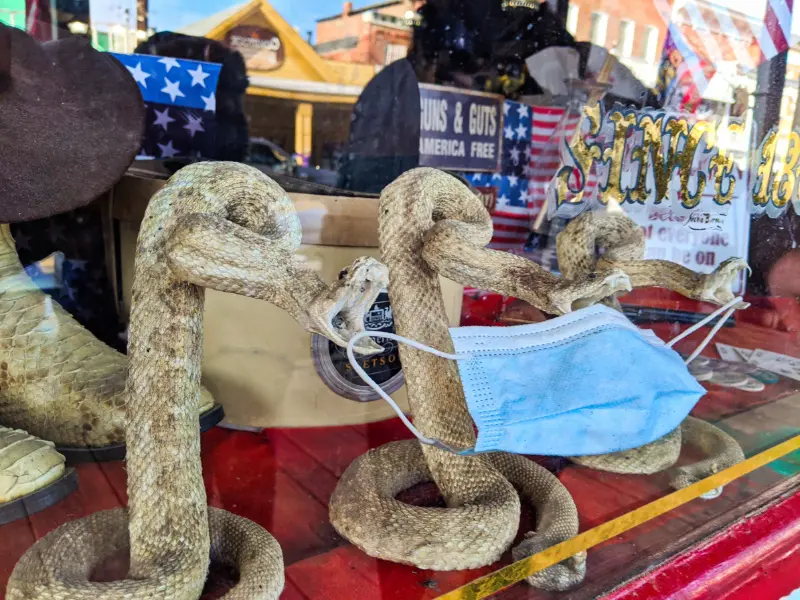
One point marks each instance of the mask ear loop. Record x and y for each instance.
(728, 309)
(379, 390)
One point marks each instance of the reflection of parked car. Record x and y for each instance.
(264, 152)
(275, 158)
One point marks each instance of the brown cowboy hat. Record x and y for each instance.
(71, 122)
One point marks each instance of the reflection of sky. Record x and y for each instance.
(174, 14)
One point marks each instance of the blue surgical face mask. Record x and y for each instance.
(589, 382)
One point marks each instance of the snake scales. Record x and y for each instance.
(228, 227)
(623, 245)
(430, 223)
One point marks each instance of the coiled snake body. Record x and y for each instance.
(430, 223)
(622, 244)
(228, 227)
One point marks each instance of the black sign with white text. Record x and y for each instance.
(460, 130)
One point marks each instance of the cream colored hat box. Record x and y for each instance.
(256, 360)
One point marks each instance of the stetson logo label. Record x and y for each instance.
(335, 370)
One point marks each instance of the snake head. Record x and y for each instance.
(338, 314)
(558, 578)
(569, 295)
(716, 286)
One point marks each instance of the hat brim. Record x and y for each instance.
(71, 122)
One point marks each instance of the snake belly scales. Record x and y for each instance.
(228, 227)
(430, 224)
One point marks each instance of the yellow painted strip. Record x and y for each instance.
(302, 96)
(516, 572)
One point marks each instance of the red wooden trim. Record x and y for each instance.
(716, 568)
(774, 578)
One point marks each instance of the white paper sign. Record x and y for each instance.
(734, 353)
(781, 364)
(701, 239)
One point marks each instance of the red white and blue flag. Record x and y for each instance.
(701, 34)
(530, 158)
(180, 96)
(513, 210)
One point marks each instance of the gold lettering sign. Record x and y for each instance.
(668, 145)
(776, 179)
(614, 155)
(763, 181)
(722, 166)
(784, 188)
(583, 155)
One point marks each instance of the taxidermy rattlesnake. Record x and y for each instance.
(431, 224)
(57, 380)
(623, 244)
(228, 227)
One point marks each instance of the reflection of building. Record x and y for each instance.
(633, 31)
(12, 12)
(377, 34)
(296, 98)
(113, 37)
(723, 37)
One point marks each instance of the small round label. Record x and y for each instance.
(334, 368)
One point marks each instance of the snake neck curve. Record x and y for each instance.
(408, 209)
(167, 500)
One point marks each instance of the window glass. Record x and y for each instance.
(651, 44)
(572, 18)
(399, 299)
(627, 30)
(598, 28)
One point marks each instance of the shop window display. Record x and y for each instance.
(510, 312)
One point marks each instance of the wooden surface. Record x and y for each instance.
(283, 479)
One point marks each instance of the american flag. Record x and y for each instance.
(704, 34)
(180, 96)
(38, 20)
(513, 211)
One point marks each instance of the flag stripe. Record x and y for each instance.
(698, 23)
(733, 36)
(783, 17)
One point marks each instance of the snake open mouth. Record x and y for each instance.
(339, 314)
(615, 284)
(717, 284)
